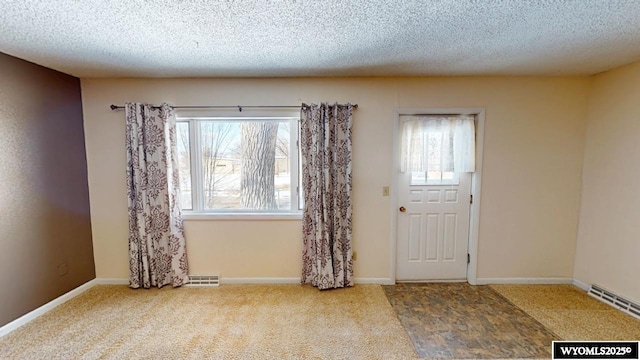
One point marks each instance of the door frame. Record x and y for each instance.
(476, 182)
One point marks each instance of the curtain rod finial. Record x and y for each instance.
(113, 107)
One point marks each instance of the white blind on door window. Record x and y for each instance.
(445, 143)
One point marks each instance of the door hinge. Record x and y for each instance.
(470, 199)
(468, 259)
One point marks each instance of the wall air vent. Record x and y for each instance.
(614, 300)
(203, 280)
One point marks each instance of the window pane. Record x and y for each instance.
(433, 175)
(300, 191)
(220, 150)
(184, 164)
(448, 175)
(418, 178)
(434, 152)
(283, 167)
(245, 165)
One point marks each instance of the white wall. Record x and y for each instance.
(608, 250)
(533, 151)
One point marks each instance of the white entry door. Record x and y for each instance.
(433, 226)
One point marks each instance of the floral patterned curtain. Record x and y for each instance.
(325, 140)
(157, 252)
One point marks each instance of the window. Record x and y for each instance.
(240, 165)
(436, 148)
(435, 144)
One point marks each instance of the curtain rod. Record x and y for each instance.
(239, 107)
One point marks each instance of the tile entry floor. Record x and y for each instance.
(460, 321)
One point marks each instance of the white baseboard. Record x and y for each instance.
(112, 281)
(259, 280)
(255, 280)
(363, 281)
(30, 316)
(552, 280)
(376, 281)
(296, 280)
(581, 285)
(433, 281)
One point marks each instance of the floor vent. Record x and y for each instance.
(614, 300)
(204, 280)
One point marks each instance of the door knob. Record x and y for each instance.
(402, 209)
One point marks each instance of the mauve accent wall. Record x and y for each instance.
(45, 226)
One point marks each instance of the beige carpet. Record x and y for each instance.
(570, 313)
(229, 322)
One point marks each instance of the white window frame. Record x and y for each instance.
(198, 212)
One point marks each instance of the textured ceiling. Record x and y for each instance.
(200, 38)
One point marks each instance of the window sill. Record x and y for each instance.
(248, 216)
